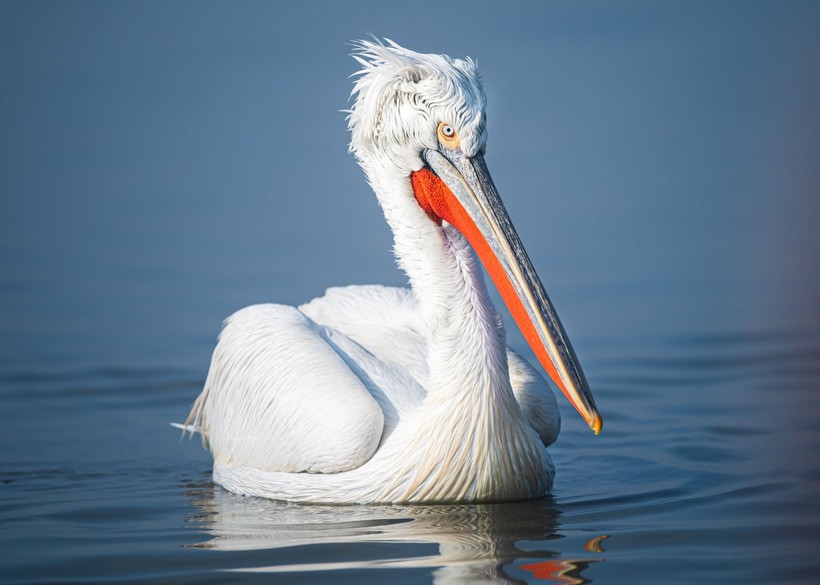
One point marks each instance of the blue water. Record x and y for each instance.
(162, 165)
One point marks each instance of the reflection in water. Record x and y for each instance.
(473, 542)
(559, 571)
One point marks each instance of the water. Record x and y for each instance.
(164, 165)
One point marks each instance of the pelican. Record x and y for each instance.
(374, 394)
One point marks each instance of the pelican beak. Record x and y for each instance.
(458, 189)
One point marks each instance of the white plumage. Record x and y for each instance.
(378, 394)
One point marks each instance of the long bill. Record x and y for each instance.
(458, 189)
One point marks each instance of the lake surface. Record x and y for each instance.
(163, 165)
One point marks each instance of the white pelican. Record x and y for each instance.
(378, 394)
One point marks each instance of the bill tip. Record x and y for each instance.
(596, 423)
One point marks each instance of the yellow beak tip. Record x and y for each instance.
(596, 423)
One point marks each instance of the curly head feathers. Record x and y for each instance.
(400, 98)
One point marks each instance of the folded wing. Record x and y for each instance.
(280, 397)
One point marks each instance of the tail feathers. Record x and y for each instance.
(187, 428)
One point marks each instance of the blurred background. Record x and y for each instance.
(163, 164)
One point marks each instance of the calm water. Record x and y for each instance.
(162, 165)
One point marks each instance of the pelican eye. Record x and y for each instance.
(447, 135)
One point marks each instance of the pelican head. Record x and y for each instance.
(419, 122)
(402, 98)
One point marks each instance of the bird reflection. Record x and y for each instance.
(487, 543)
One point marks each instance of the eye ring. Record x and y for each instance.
(447, 135)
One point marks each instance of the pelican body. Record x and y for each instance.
(379, 394)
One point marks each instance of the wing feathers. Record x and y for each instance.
(279, 398)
